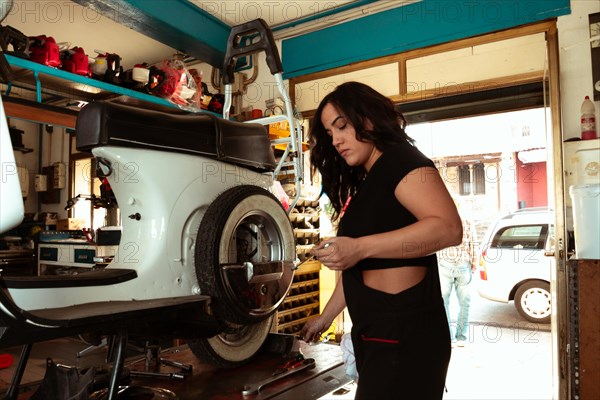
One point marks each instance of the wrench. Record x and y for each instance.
(171, 375)
(311, 258)
(308, 363)
(184, 367)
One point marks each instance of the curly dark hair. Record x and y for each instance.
(360, 104)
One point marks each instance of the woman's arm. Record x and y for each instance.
(316, 326)
(424, 194)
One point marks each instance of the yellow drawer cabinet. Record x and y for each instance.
(302, 301)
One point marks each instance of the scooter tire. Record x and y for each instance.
(233, 347)
(244, 223)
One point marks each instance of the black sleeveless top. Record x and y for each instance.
(375, 209)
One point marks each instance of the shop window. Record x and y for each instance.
(471, 179)
(478, 179)
(85, 187)
(464, 179)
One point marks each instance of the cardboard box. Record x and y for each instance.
(49, 218)
(70, 224)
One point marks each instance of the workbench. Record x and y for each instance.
(210, 383)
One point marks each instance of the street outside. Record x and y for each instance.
(490, 313)
(505, 357)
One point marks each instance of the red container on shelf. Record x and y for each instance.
(77, 62)
(44, 50)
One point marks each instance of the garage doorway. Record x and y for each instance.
(504, 72)
(495, 164)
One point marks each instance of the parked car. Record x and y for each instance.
(512, 263)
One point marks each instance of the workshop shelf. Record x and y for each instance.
(53, 82)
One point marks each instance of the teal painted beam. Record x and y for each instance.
(324, 14)
(176, 23)
(414, 26)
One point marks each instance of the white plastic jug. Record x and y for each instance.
(586, 220)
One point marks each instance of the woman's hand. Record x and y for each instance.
(314, 328)
(339, 253)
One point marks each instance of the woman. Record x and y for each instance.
(394, 213)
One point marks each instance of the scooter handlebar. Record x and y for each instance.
(266, 43)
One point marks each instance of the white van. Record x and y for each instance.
(512, 264)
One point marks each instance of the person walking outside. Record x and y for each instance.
(456, 266)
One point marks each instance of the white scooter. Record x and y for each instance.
(207, 253)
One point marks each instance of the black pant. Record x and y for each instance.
(401, 341)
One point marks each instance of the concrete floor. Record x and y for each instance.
(505, 357)
(501, 363)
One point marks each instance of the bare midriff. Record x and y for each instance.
(394, 280)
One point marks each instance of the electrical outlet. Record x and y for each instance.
(41, 183)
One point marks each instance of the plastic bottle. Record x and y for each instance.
(588, 119)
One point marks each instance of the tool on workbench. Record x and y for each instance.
(153, 361)
(187, 368)
(305, 364)
(169, 375)
(290, 364)
(136, 392)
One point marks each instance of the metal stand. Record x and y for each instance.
(292, 154)
(121, 342)
(13, 391)
(103, 343)
(153, 362)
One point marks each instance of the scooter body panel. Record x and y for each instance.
(11, 200)
(162, 197)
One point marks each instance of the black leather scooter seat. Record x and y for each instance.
(110, 124)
